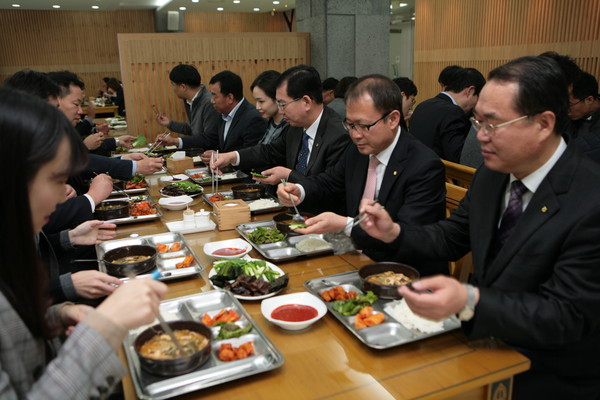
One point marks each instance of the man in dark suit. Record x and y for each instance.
(240, 125)
(532, 221)
(584, 111)
(442, 122)
(385, 163)
(202, 116)
(299, 99)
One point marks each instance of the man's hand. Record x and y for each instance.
(92, 284)
(69, 192)
(448, 297)
(149, 165)
(100, 188)
(323, 223)
(162, 120)
(379, 224)
(93, 141)
(92, 232)
(134, 156)
(164, 140)
(126, 141)
(224, 159)
(207, 156)
(276, 174)
(284, 192)
(102, 128)
(71, 315)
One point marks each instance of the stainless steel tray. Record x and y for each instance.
(280, 206)
(214, 372)
(280, 251)
(141, 218)
(235, 176)
(388, 334)
(165, 261)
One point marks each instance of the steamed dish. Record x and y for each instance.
(161, 347)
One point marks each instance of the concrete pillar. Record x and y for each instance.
(347, 37)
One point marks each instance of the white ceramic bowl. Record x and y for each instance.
(209, 248)
(175, 203)
(304, 298)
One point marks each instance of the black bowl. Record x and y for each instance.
(283, 220)
(137, 268)
(251, 191)
(119, 209)
(386, 291)
(176, 366)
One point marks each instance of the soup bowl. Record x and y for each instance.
(120, 269)
(386, 291)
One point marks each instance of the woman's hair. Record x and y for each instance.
(32, 129)
(267, 82)
(113, 83)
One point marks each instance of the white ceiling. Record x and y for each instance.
(170, 5)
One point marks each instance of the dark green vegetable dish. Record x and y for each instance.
(262, 235)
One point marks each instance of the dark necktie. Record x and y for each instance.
(303, 155)
(512, 213)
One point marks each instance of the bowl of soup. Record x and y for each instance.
(130, 260)
(284, 220)
(158, 354)
(108, 210)
(251, 191)
(293, 311)
(384, 278)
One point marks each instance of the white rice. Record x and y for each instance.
(312, 244)
(262, 203)
(400, 311)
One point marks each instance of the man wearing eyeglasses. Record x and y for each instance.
(442, 121)
(532, 221)
(314, 142)
(386, 164)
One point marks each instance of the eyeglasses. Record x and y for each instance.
(489, 129)
(362, 127)
(281, 105)
(574, 104)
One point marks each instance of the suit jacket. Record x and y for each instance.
(85, 367)
(412, 191)
(441, 125)
(541, 293)
(587, 136)
(246, 129)
(203, 117)
(69, 214)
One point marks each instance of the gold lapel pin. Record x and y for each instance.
(544, 209)
(395, 173)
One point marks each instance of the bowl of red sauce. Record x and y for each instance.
(293, 311)
(227, 249)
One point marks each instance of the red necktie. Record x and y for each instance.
(371, 184)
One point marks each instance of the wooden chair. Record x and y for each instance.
(460, 269)
(458, 174)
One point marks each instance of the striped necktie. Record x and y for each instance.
(303, 155)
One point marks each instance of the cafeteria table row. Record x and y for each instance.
(325, 361)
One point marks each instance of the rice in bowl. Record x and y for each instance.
(401, 312)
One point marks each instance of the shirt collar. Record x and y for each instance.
(534, 180)
(384, 155)
(229, 117)
(311, 131)
(190, 102)
(451, 98)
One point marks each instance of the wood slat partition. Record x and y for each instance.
(146, 60)
(486, 34)
(84, 42)
(195, 21)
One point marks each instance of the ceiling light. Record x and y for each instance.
(195, 1)
(413, 18)
(220, 9)
(275, 2)
(16, 5)
(403, 4)
(256, 9)
(236, 1)
(95, 7)
(182, 8)
(55, 6)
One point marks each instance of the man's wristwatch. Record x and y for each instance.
(468, 310)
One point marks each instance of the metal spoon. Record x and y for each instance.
(297, 216)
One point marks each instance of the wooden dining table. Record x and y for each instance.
(103, 110)
(325, 361)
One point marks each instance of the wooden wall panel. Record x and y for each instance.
(485, 34)
(196, 22)
(84, 42)
(146, 60)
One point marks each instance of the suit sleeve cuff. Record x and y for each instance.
(92, 203)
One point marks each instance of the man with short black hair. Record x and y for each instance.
(409, 92)
(202, 116)
(240, 125)
(531, 220)
(442, 122)
(329, 85)
(584, 111)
